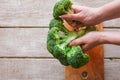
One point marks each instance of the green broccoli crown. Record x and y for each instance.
(59, 37)
(76, 58)
(62, 7)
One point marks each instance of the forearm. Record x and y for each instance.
(110, 37)
(110, 11)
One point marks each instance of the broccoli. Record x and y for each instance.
(62, 7)
(59, 37)
(76, 58)
(55, 23)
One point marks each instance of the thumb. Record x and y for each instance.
(75, 42)
(69, 16)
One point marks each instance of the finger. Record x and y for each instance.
(72, 23)
(87, 47)
(75, 8)
(75, 25)
(78, 27)
(70, 16)
(84, 47)
(76, 42)
(69, 22)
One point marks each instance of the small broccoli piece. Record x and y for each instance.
(51, 42)
(76, 58)
(91, 28)
(62, 7)
(55, 23)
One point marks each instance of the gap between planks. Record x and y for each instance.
(110, 58)
(23, 27)
(46, 27)
(27, 57)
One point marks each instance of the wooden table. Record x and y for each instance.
(23, 31)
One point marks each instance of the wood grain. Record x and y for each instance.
(31, 69)
(31, 42)
(23, 42)
(112, 69)
(28, 13)
(23, 53)
(46, 69)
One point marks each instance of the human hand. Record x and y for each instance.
(85, 15)
(88, 41)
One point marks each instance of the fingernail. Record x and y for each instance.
(70, 44)
(60, 16)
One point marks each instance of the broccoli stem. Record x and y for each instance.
(81, 33)
(70, 11)
(70, 37)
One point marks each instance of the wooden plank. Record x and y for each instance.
(112, 51)
(31, 42)
(25, 12)
(25, 69)
(112, 69)
(112, 23)
(24, 42)
(35, 13)
(46, 69)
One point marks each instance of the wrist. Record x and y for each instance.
(105, 37)
(102, 38)
(99, 37)
(110, 37)
(98, 17)
(101, 14)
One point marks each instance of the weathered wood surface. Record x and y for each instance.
(23, 53)
(24, 42)
(112, 69)
(39, 12)
(31, 69)
(31, 42)
(46, 69)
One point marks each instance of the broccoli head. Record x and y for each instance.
(59, 37)
(62, 7)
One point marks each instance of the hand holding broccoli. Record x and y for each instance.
(86, 15)
(88, 41)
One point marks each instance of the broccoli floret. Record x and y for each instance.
(62, 7)
(55, 23)
(59, 37)
(51, 41)
(76, 58)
